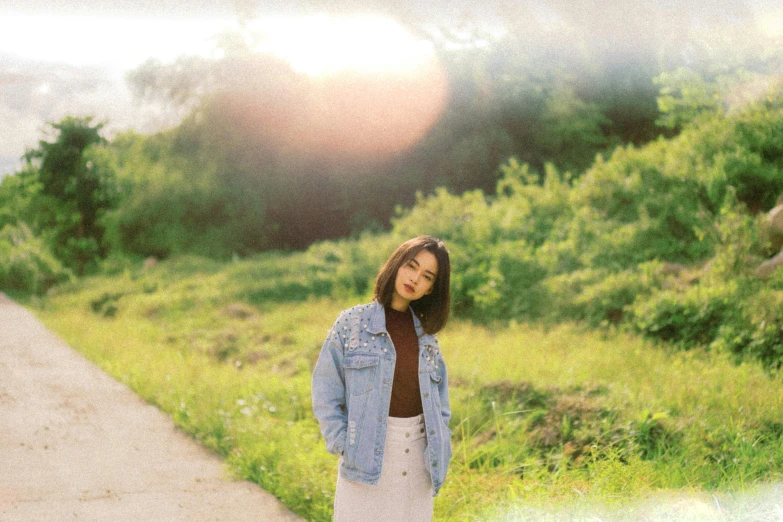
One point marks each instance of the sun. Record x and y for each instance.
(771, 23)
(321, 44)
(367, 88)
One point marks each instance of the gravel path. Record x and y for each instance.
(77, 445)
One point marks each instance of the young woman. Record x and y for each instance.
(380, 391)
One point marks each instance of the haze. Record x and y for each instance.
(71, 57)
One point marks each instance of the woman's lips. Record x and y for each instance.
(409, 288)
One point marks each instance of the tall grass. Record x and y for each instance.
(542, 417)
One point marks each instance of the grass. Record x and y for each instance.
(545, 421)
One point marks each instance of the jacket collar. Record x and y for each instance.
(377, 324)
(377, 319)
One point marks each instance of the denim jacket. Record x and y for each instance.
(351, 393)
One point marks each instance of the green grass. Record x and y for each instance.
(563, 417)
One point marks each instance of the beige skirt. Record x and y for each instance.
(404, 491)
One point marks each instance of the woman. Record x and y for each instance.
(380, 391)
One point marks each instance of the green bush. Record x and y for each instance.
(26, 263)
(689, 318)
(600, 297)
(493, 241)
(756, 330)
(352, 264)
(727, 308)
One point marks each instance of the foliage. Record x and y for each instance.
(601, 297)
(18, 195)
(691, 318)
(73, 188)
(26, 263)
(730, 310)
(625, 243)
(685, 95)
(659, 236)
(622, 244)
(231, 161)
(240, 174)
(169, 207)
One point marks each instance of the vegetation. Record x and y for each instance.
(610, 338)
(234, 176)
(52, 213)
(542, 416)
(661, 238)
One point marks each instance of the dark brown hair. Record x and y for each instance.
(433, 308)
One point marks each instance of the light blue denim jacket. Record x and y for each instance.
(351, 391)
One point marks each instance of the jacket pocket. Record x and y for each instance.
(360, 373)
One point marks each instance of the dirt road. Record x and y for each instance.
(77, 445)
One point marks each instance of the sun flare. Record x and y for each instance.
(368, 88)
(318, 45)
(771, 23)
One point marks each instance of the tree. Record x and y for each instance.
(76, 188)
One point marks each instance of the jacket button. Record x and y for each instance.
(404, 473)
(434, 463)
(407, 435)
(432, 432)
(426, 394)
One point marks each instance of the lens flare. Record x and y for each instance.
(366, 89)
(764, 503)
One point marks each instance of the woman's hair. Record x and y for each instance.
(433, 308)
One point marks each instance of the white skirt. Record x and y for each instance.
(404, 491)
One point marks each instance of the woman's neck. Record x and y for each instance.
(399, 304)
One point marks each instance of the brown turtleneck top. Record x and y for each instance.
(405, 394)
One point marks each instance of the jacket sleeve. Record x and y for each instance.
(328, 389)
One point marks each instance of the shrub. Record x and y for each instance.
(598, 296)
(689, 318)
(756, 331)
(26, 263)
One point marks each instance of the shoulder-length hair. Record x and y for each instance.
(433, 308)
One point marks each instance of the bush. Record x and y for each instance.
(690, 318)
(353, 264)
(26, 263)
(756, 331)
(600, 297)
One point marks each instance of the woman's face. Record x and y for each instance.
(415, 279)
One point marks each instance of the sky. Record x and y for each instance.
(59, 59)
(71, 57)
